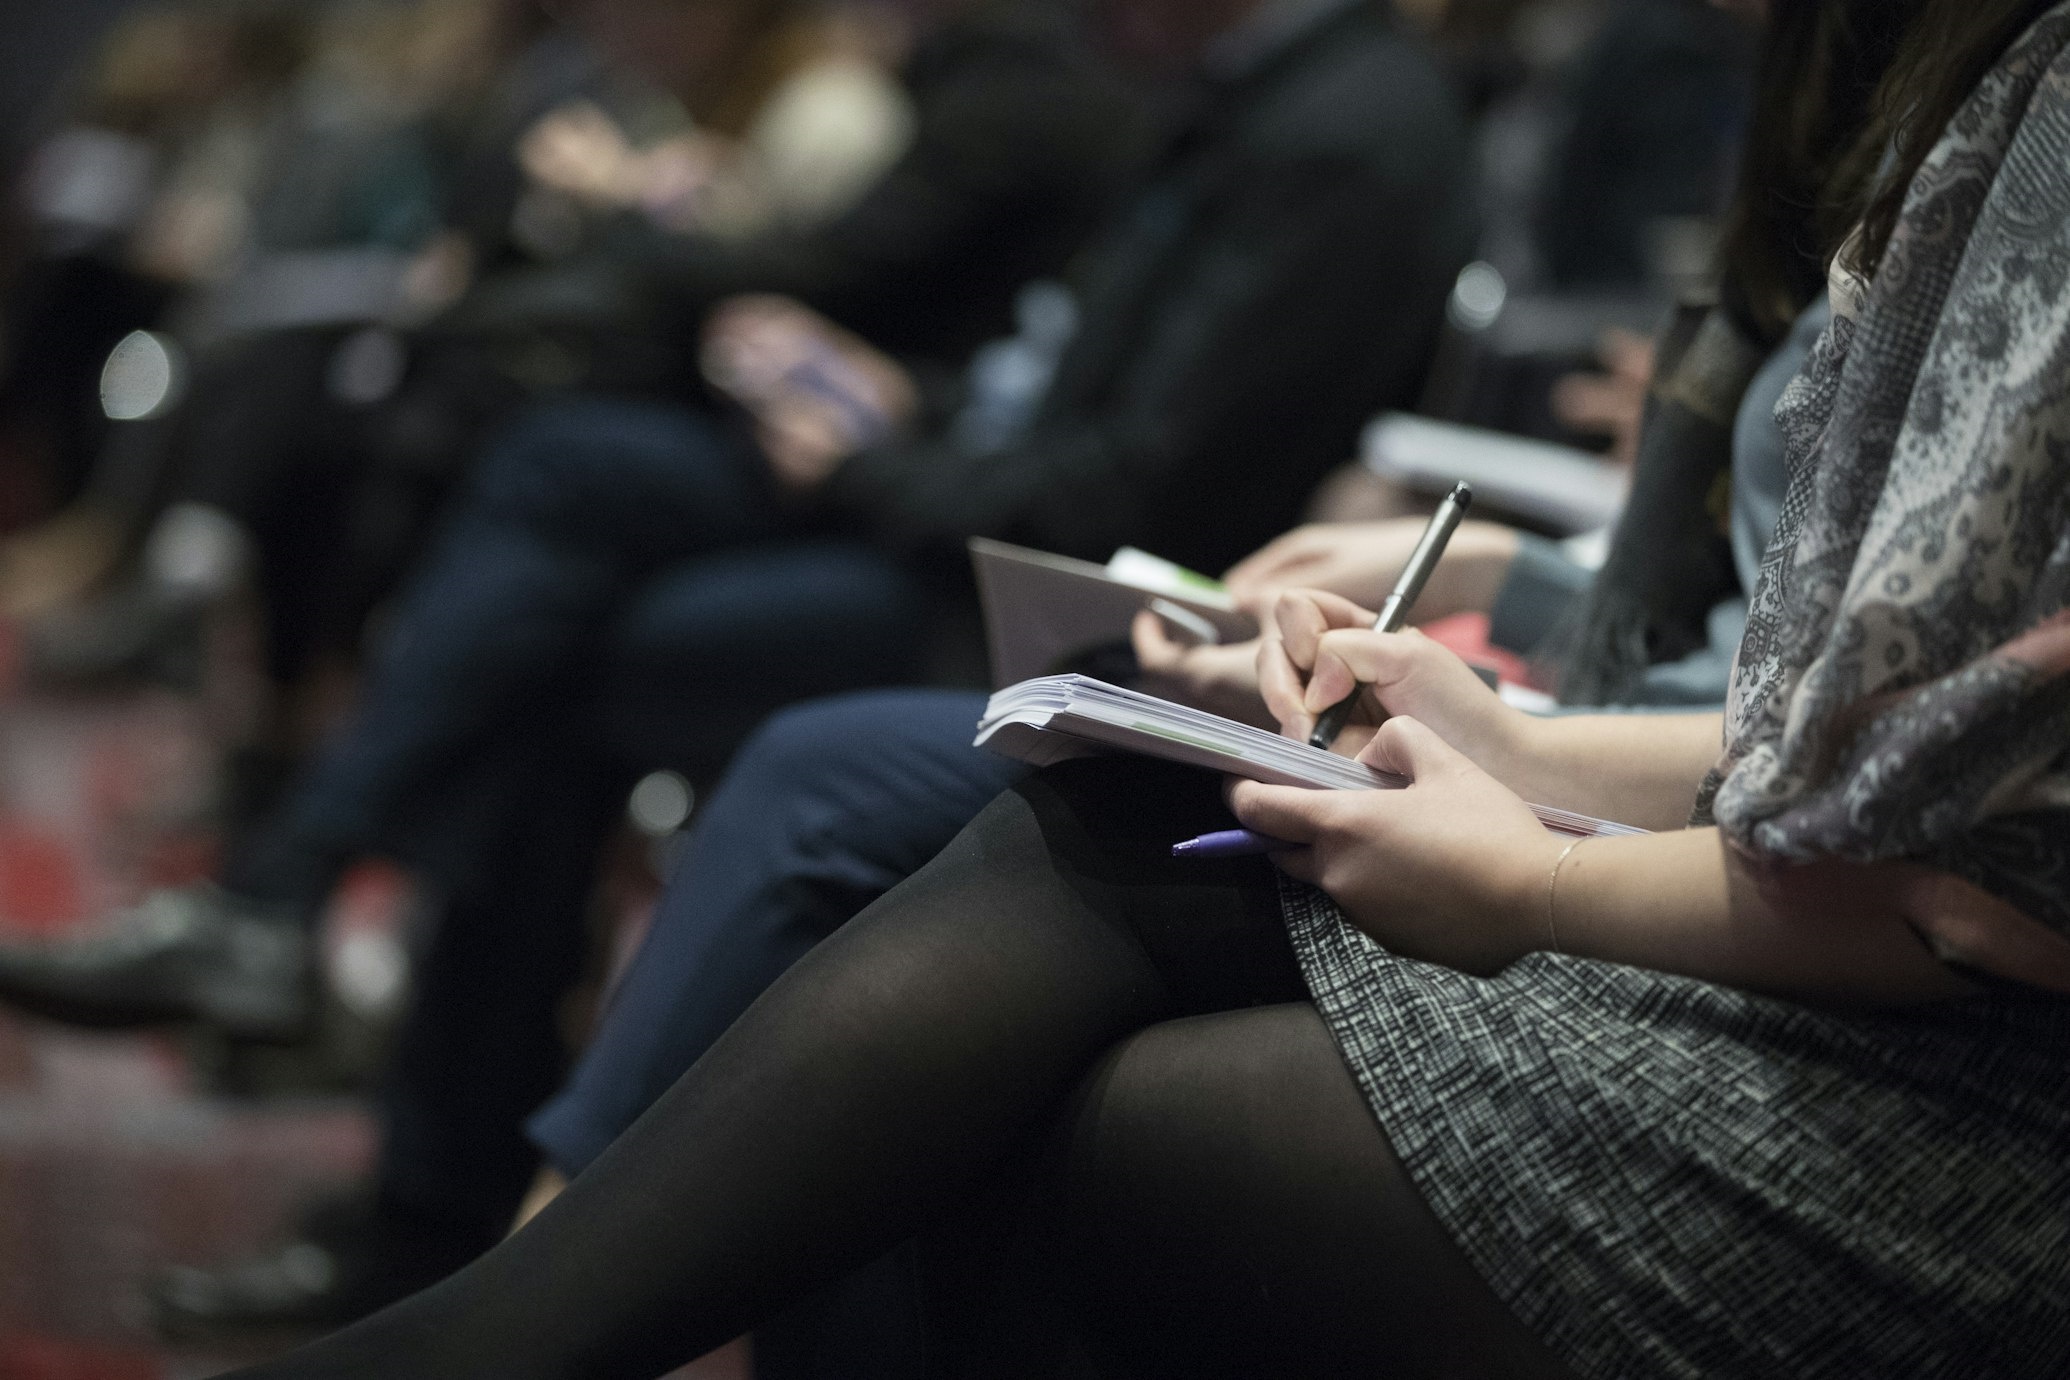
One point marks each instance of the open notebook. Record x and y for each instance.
(1056, 718)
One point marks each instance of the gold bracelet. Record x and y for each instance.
(1552, 886)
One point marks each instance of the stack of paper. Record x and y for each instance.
(1056, 718)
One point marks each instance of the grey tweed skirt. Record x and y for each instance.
(1664, 1177)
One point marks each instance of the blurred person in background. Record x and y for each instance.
(807, 119)
(310, 462)
(377, 200)
(334, 223)
(1622, 136)
(1604, 150)
(1604, 125)
(380, 202)
(135, 198)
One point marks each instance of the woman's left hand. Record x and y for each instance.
(1451, 869)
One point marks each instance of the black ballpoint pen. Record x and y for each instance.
(1443, 523)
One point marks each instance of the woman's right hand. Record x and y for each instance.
(1322, 647)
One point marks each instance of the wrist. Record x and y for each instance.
(1514, 747)
(1527, 898)
(1558, 937)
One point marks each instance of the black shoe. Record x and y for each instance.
(348, 1262)
(195, 954)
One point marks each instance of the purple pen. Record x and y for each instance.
(1229, 843)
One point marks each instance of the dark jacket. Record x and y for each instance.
(1654, 108)
(1278, 278)
(1022, 140)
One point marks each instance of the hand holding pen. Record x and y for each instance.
(1395, 612)
(1330, 724)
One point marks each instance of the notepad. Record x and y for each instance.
(1043, 611)
(1055, 718)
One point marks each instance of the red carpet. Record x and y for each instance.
(113, 1160)
(111, 1164)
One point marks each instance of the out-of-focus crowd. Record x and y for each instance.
(418, 215)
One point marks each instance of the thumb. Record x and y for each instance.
(1297, 815)
(1409, 748)
(1155, 649)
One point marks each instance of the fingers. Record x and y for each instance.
(1284, 690)
(762, 322)
(1304, 616)
(1592, 404)
(804, 441)
(769, 306)
(741, 356)
(769, 352)
(1155, 649)
(1293, 813)
(1269, 562)
(1347, 659)
(1302, 864)
(1301, 618)
(1627, 354)
(1409, 748)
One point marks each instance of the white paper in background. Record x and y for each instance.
(1567, 490)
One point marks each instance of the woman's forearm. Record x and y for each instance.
(1686, 903)
(1640, 769)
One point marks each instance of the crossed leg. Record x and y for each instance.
(1052, 1006)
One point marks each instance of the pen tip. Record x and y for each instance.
(1462, 494)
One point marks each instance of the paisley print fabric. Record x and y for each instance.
(1904, 687)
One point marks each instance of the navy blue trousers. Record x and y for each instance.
(603, 547)
(827, 807)
(616, 591)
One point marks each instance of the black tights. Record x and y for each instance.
(1101, 1057)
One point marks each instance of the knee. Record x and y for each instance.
(864, 732)
(558, 459)
(1230, 1206)
(1166, 1161)
(869, 785)
(1215, 1140)
(1205, 1107)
